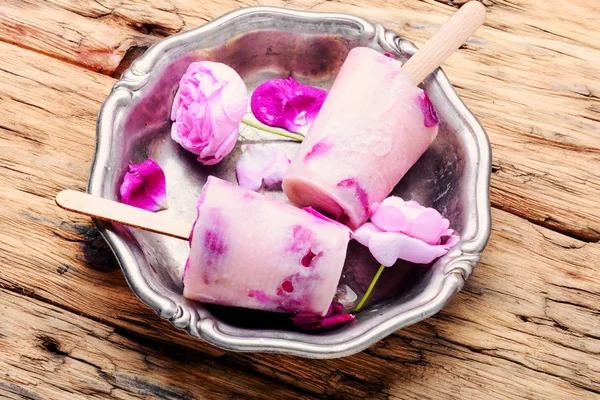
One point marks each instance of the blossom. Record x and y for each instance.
(405, 230)
(430, 115)
(288, 104)
(144, 186)
(208, 107)
(333, 318)
(260, 164)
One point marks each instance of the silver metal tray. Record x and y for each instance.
(262, 43)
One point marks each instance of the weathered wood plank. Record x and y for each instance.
(86, 33)
(526, 325)
(530, 76)
(49, 353)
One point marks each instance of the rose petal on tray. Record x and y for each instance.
(259, 164)
(144, 186)
(333, 318)
(207, 110)
(388, 247)
(287, 104)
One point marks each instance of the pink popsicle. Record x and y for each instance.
(372, 128)
(248, 250)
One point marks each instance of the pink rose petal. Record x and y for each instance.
(412, 209)
(410, 218)
(405, 230)
(333, 318)
(144, 186)
(428, 226)
(288, 104)
(363, 234)
(336, 308)
(449, 239)
(303, 321)
(260, 164)
(277, 169)
(430, 116)
(387, 247)
(329, 322)
(373, 207)
(395, 201)
(390, 218)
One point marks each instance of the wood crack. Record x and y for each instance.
(575, 289)
(19, 390)
(570, 303)
(593, 119)
(555, 226)
(33, 105)
(565, 379)
(548, 32)
(149, 342)
(232, 360)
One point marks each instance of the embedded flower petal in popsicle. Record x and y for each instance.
(144, 186)
(288, 104)
(430, 115)
(259, 164)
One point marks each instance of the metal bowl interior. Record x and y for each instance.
(262, 43)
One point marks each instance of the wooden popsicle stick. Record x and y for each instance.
(109, 210)
(445, 41)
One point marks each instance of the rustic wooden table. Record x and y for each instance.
(526, 325)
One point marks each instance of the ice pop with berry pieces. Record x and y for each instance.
(373, 126)
(248, 250)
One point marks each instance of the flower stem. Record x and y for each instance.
(274, 131)
(369, 290)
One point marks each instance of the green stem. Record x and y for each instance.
(370, 289)
(274, 131)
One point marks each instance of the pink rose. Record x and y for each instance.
(207, 110)
(405, 230)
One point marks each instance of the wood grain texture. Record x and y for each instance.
(449, 38)
(49, 353)
(526, 326)
(529, 75)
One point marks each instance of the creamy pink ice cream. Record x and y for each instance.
(248, 250)
(373, 126)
